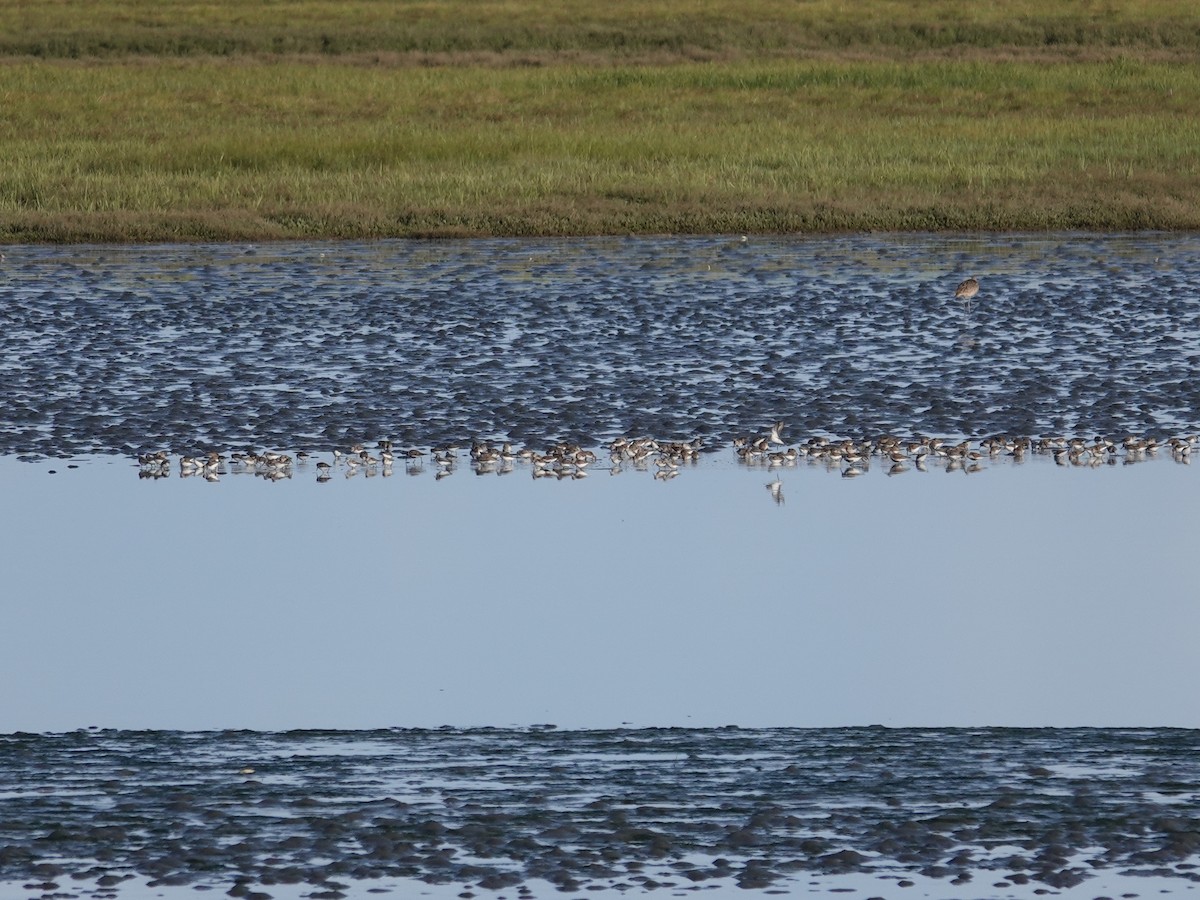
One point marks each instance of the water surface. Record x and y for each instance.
(1030, 594)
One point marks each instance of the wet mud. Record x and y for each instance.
(596, 810)
(315, 346)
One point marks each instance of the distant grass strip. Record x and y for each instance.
(510, 29)
(253, 148)
(191, 119)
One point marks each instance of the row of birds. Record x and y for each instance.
(665, 458)
(854, 457)
(562, 460)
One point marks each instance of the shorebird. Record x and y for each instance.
(966, 291)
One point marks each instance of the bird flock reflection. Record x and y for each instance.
(664, 460)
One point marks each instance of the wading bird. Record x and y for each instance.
(966, 291)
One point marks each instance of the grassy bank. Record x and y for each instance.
(560, 132)
(520, 29)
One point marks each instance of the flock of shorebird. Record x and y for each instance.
(559, 461)
(666, 458)
(562, 460)
(854, 458)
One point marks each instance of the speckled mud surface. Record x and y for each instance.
(127, 349)
(491, 809)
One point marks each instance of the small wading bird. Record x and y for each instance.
(966, 291)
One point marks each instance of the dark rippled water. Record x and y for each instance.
(594, 810)
(112, 349)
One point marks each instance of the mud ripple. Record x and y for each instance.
(129, 349)
(494, 808)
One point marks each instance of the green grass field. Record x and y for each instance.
(183, 121)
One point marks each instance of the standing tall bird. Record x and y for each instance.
(967, 291)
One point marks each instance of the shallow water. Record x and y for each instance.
(121, 349)
(1020, 594)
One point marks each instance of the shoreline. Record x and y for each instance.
(10, 243)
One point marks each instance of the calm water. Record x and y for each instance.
(1003, 592)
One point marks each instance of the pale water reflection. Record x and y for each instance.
(1021, 595)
